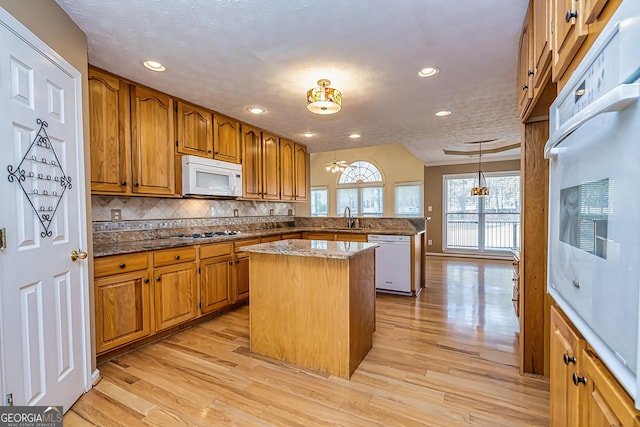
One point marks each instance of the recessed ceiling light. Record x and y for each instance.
(428, 72)
(255, 110)
(354, 136)
(154, 66)
(443, 113)
(308, 134)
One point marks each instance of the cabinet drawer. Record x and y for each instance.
(292, 236)
(238, 245)
(351, 237)
(216, 249)
(267, 239)
(120, 264)
(174, 256)
(319, 236)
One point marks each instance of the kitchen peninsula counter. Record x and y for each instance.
(313, 303)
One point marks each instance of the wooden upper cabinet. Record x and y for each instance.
(195, 130)
(109, 138)
(301, 172)
(152, 142)
(270, 166)
(226, 139)
(569, 32)
(592, 9)
(251, 162)
(525, 64)
(541, 41)
(287, 170)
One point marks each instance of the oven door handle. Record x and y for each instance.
(617, 99)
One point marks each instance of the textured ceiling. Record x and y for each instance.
(231, 54)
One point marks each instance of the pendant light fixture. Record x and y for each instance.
(323, 99)
(481, 188)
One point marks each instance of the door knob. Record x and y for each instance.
(77, 254)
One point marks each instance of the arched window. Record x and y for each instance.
(360, 172)
(360, 187)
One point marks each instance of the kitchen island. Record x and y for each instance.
(313, 302)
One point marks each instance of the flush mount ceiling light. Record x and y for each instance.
(443, 113)
(428, 72)
(255, 110)
(323, 99)
(308, 134)
(154, 66)
(481, 188)
(354, 136)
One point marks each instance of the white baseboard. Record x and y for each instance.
(95, 377)
(476, 256)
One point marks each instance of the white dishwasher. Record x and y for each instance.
(393, 263)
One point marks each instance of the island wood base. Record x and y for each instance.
(314, 312)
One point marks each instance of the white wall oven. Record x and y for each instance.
(594, 196)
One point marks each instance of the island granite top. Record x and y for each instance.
(311, 248)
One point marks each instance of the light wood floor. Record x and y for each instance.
(446, 358)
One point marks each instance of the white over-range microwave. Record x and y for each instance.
(594, 203)
(208, 177)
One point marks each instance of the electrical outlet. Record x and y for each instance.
(430, 208)
(235, 212)
(429, 242)
(290, 212)
(116, 215)
(270, 212)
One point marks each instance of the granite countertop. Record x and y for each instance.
(106, 249)
(311, 248)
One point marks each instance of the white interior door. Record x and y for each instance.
(43, 293)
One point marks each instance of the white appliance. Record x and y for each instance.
(594, 203)
(208, 177)
(393, 263)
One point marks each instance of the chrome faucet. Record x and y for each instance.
(347, 214)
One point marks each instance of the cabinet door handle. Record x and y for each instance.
(525, 87)
(136, 185)
(568, 359)
(123, 183)
(177, 256)
(571, 14)
(217, 152)
(123, 265)
(237, 261)
(146, 280)
(230, 262)
(577, 380)
(158, 279)
(208, 151)
(531, 73)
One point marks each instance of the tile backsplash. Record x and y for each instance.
(155, 208)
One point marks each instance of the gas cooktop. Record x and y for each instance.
(208, 234)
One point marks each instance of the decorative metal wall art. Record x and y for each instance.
(41, 177)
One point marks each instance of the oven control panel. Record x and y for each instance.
(599, 78)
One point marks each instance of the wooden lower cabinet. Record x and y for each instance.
(121, 309)
(175, 294)
(583, 393)
(215, 283)
(241, 277)
(603, 402)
